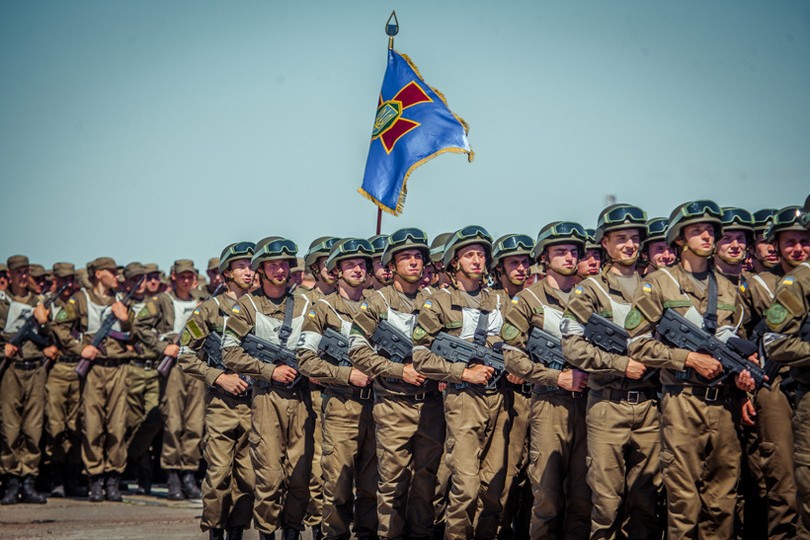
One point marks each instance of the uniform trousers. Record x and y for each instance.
(23, 408)
(182, 407)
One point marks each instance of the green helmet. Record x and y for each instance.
(702, 211)
(510, 245)
(806, 216)
(591, 242)
(349, 248)
(738, 219)
(655, 230)
(234, 252)
(559, 232)
(437, 246)
(318, 248)
(274, 248)
(378, 242)
(786, 219)
(403, 239)
(620, 216)
(471, 234)
(762, 220)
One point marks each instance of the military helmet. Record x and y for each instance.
(762, 219)
(466, 236)
(318, 248)
(437, 246)
(655, 230)
(403, 239)
(559, 232)
(806, 216)
(788, 218)
(702, 211)
(349, 248)
(738, 219)
(620, 216)
(591, 242)
(234, 252)
(275, 248)
(378, 242)
(510, 245)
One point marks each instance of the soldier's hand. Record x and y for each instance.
(635, 370)
(232, 383)
(477, 374)
(707, 366)
(748, 413)
(10, 350)
(120, 311)
(51, 352)
(745, 381)
(442, 386)
(514, 379)
(358, 378)
(41, 314)
(572, 380)
(284, 374)
(411, 376)
(172, 349)
(89, 352)
(754, 358)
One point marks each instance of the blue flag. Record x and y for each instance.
(413, 124)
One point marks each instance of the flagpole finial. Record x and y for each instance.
(392, 28)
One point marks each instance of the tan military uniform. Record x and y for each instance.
(769, 457)
(280, 436)
(557, 451)
(103, 406)
(23, 391)
(477, 418)
(701, 453)
(182, 404)
(409, 422)
(622, 416)
(349, 448)
(227, 491)
(787, 317)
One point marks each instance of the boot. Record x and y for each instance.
(29, 492)
(235, 533)
(113, 491)
(144, 474)
(12, 490)
(216, 534)
(96, 486)
(57, 481)
(173, 483)
(290, 534)
(190, 489)
(72, 488)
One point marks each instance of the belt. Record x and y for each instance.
(110, 362)
(525, 388)
(709, 394)
(244, 397)
(145, 364)
(357, 394)
(553, 390)
(27, 365)
(69, 359)
(632, 397)
(421, 396)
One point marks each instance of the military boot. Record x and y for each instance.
(173, 483)
(235, 533)
(145, 474)
(12, 495)
(290, 534)
(216, 534)
(190, 489)
(58, 481)
(113, 491)
(29, 491)
(96, 487)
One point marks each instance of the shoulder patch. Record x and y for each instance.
(647, 288)
(428, 304)
(515, 300)
(777, 314)
(236, 309)
(509, 332)
(743, 287)
(579, 290)
(788, 281)
(364, 306)
(144, 312)
(311, 314)
(419, 333)
(633, 319)
(185, 338)
(72, 300)
(196, 311)
(62, 316)
(194, 329)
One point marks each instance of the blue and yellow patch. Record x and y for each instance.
(236, 309)
(72, 300)
(788, 281)
(515, 300)
(428, 304)
(647, 288)
(364, 306)
(743, 287)
(311, 314)
(197, 311)
(579, 290)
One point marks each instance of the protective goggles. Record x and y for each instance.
(623, 214)
(355, 245)
(473, 232)
(763, 217)
(564, 229)
(242, 249)
(401, 236)
(514, 242)
(701, 208)
(322, 247)
(787, 216)
(738, 216)
(278, 248)
(657, 226)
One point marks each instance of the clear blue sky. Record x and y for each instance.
(152, 130)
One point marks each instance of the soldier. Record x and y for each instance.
(622, 411)
(557, 453)
(227, 491)
(731, 248)
(3, 279)
(700, 453)
(511, 261)
(764, 255)
(655, 252)
(22, 385)
(103, 405)
(475, 411)
(297, 272)
(158, 326)
(38, 279)
(349, 449)
(381, 276)
(591, 261)
(63, 437)
(152, 279)
(788, 342)
(441, 279)
(407, 409)
(216, 283)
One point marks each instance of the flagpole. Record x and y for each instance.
(391, 29)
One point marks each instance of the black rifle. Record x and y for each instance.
(682, 333)
(334, 348)
(84, 364)
(167, 362)
(271, 353)
(545, 348)
(212, 349)
(393, 343)
(610, 337)
(457, 350)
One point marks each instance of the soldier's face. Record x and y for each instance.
(71, 285)
(108, 278)
(428, 276)
(152, 282)
(794, 246)
(19, 277)
(277, 272)
(732, 246)
(3, 281)
(323, 273)
(184, 281)
(37, 284)
(353, 271)
(409, 265)
(699, 239)
(562, 259)
(590, 264)
(765, 252)
(215, 279)
(516, 269)
(472, 261)
(240, 273)
(622, 246)
(660, 254)
(382, 273)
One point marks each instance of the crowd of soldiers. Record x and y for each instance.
(641, 380)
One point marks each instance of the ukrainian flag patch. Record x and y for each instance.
(647, 288)
(428, 304)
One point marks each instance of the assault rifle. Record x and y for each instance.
(212, 349)
(545, 348)
(334, 348)
(392, 342)
(457, 350)
(610, 337)
(682, 333)
(271, 353)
